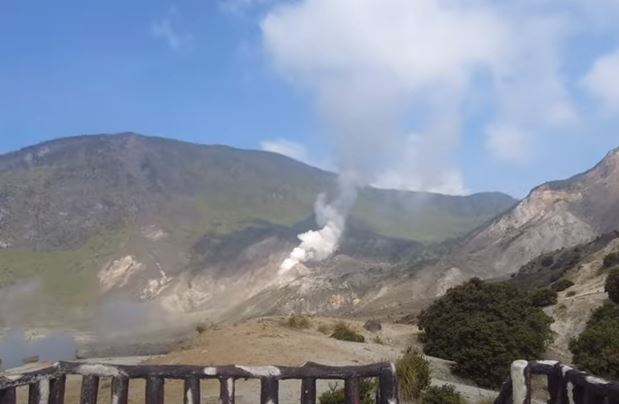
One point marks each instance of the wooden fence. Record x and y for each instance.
(48, 385)
(565, 385)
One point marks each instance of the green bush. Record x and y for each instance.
(612, 285)
(343, 332)
(201, 328)
(483, 327)
(596, 349)
(297, 322)
(561, 285)
(548, 261)
(446, 394)
(413, 373)
(336, 395)
(544, 297)
(611, 260)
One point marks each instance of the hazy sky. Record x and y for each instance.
(448, 95)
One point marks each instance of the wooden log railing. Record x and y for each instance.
(48, 385)
(565, 385)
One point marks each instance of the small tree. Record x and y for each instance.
(413, 372)
(612, 285)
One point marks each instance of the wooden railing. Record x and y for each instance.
(48, 385)
(565, 385)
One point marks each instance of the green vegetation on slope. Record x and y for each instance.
(483, 327)
(612, 285)
(69, 275)
(596, 349)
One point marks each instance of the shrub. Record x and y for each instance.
(571, 293)
(297, 322)
(611, 260)
(561, 285)
(413, 373)
(612, 285)
(446, 394)
(548, 261)
(336, 395)
(343, 332)
(324, 328)
(544, 297)
(378, 340)
(596, 349)
(201, 328)
(483, 327)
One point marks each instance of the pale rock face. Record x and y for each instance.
(543, 222)
(154, 233)
(118, 273)
(154, 287)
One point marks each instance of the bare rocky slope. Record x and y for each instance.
(201, 227)
(554, 215)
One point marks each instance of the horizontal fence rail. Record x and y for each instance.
(47, 385)
(565, 385)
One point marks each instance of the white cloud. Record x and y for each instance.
(285, 147)
(294, 150)
(508, 144)
(421, 166)
(166, 29)
(368, 61)
(447, 181)
(602, 81)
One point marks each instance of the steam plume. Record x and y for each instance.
(15, 345)
(317, 245)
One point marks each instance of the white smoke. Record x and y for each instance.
(16, 303)
(317, 245)
(381, 70)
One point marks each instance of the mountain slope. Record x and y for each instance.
(155, 217)
(586, 266)
(554, 215)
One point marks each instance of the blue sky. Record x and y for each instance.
(326, 81)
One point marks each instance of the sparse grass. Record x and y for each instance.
(324, 329)
(343, 332)
(413, 372)
(378, 340)
(336, 394)
(297, 322)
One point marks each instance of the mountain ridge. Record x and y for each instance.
(127, 214)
